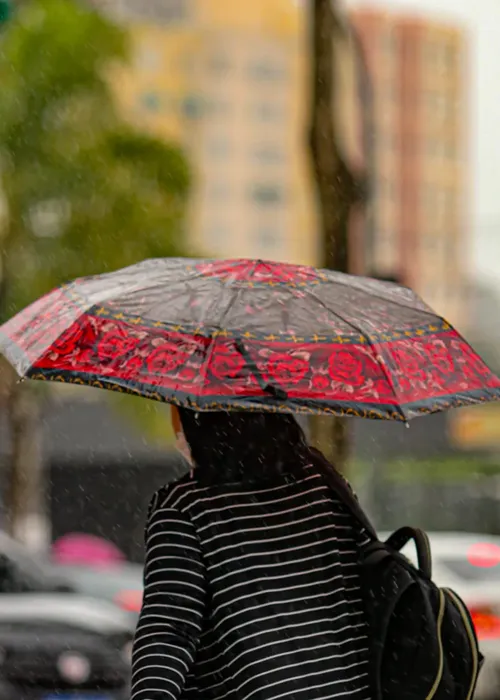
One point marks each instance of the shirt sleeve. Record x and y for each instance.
(173, 607)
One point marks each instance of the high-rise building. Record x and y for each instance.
(230, 81)
(220, 78)
(418, 71)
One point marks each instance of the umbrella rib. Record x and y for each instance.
(359, 330)
(428, 311)
(228, 308)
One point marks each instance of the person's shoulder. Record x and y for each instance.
(177, 494)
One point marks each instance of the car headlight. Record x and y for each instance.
(74, 668)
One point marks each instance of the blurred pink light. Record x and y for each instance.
(77, 548)
(484, 555)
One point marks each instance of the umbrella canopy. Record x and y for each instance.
(250, 335)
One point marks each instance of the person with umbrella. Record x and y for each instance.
(252, 581)
(251, 574)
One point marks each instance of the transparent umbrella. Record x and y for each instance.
(250, 335)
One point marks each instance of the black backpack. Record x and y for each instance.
(423, 644)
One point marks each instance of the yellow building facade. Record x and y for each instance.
(225, 79)
(230, 82)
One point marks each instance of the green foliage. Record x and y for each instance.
(441, 469)
(150, 417)
(437, 469)
(5, 10)
(85, 192)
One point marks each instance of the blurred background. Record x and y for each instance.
(138, 128)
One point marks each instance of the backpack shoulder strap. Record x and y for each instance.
(340, 486)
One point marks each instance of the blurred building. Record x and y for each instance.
(478, 427)
(230, 80)
(419, 76)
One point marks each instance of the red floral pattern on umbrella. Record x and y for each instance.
(250, 335)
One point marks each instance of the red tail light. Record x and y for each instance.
(131, 601)
(487, 623)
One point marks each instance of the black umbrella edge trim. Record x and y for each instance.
(373, 411)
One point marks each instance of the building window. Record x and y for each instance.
(266, 70)
(268, 238)
(452, 201)
(192, 107)
(447, 56)
(441, 55)
(430, 52)
(218, 191)
(150, 101)
(389, 41)
(216, 235)
(268, 112)
(451, 151)
(387, 189)
(268, 154)
(439, 105)
(267, 194)
(156, 11)
(438, 205)
(219, 107)
(430, 241)
(451, 246)
(443, 212)
(147, 59)
(219, 147)
(428, 197)
(386, 140)
(391, 90)
(186, 62)
(437, 148)
(218, 63)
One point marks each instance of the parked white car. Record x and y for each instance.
(470, 564)
(63, 646)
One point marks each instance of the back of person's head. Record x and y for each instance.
(243, 446)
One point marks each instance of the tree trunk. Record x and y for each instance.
(337, 188)
(24, 493)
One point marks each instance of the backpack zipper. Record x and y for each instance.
(439, 676)
(472, 638)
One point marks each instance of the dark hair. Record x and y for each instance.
(244, 446)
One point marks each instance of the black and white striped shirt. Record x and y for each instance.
(251, 593)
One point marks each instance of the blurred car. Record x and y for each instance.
(21, 572)
(120, 584)
(470, 565)
(63, 647)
